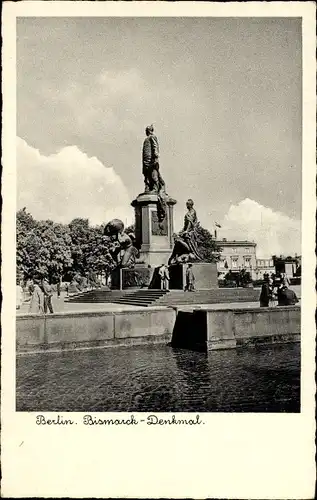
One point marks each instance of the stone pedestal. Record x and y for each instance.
(206, 275)
(138, 277)
(154, 239)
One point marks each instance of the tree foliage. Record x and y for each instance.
(43, 248)
(65, 251)
(207, 245)
(56, 251)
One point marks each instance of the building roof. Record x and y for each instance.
(230, 243)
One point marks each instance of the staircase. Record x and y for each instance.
(213, 296)
(143, 297)
(97, 296)
(147, 297)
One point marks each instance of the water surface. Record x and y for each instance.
(159, 378)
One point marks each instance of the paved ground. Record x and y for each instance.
(60, 306)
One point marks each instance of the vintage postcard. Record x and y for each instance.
(158, 231)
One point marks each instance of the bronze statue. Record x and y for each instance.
(153, 180)
(122, 249)
(185, 244)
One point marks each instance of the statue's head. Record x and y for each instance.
(114, 227)
(149, 130)
(189, 204)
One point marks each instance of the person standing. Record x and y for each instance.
(58, 289)
(272, 301)
(19, 295)
(166, 278)
(287, 297)
(284, 280)
(47, 290)
(36, 302)
(164, 275)
(266, 294)
(190, 279)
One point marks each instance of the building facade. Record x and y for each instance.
(264, 266)
(235, 256)
(238, 255)
(291, 266)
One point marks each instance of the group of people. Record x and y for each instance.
(41, 293)
(277, 290)
(41, 297)
(165, 278)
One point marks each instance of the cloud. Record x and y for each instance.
(69, 184)
(274, 232)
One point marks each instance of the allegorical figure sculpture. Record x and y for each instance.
(153, 180)
(185, 244)
(122, 249)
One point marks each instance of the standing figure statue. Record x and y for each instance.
(153, 180)
(185, 244)
(122, 249)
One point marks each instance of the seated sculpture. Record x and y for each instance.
(121, 249)
(185, 244)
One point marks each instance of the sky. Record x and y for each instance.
(224, 95)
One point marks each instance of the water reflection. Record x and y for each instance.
(160, 378)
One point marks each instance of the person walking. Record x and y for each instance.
(36, 302)
(47, 290)
(190, 279)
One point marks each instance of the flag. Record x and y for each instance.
(217, 225)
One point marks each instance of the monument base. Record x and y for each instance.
(154, 239)
(206, 275)
(138, 277)
(155, 258)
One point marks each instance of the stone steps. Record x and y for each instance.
(146, 297)
(142, 298)
(210, 297)
(97, 296)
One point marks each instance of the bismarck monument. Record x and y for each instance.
(153, 242)
(153, 208)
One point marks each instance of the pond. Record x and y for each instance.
(161, 379)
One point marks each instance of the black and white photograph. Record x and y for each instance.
(158, 214)
(158, 217)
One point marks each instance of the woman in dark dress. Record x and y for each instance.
(266, 293)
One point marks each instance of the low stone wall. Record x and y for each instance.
(205, 328)
(71, 330)
(236, 327)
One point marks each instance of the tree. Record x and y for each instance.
(207, 247)
(99, 258)
(80, 244)
(89, 248)
(43, 248)
(55, 253)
